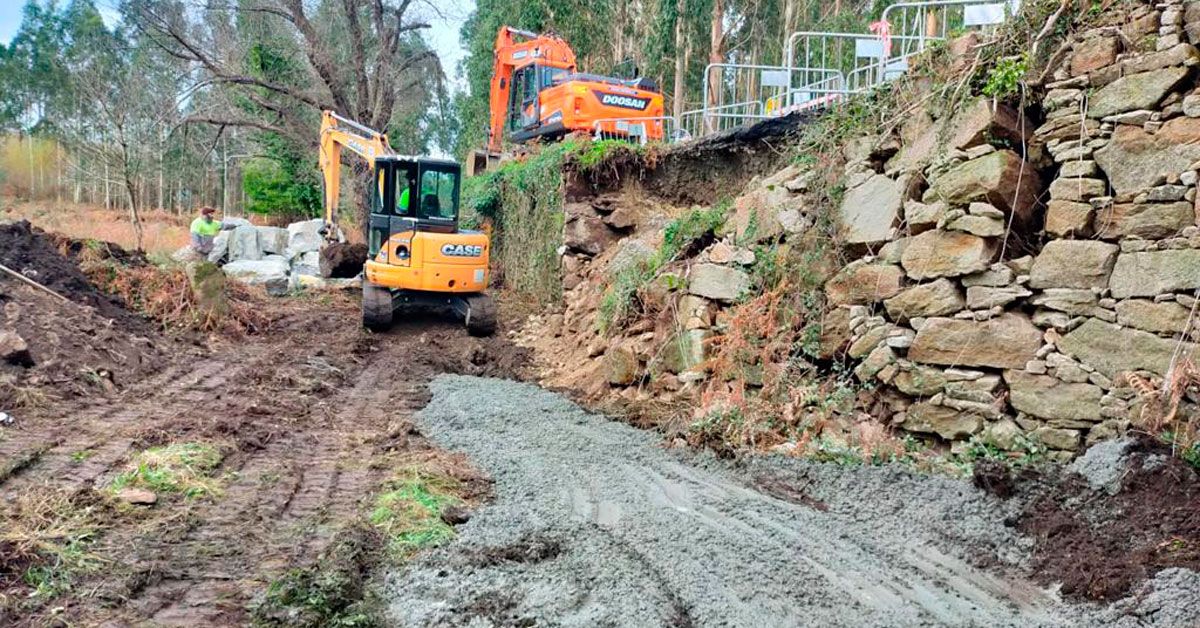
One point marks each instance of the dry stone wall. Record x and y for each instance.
(1013, 296)
(1003, 270)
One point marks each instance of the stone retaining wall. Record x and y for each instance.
(1007, 269)
(1035, 333)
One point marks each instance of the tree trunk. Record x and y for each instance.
(789, 26)
(681, 59)
(134, 216)
(107, 195)
(161, 172)
(715, 55)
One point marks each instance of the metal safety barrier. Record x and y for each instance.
(819, 70)
(737, 93)
(907, 28)
(642, 130)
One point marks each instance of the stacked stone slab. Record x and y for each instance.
(993, 329)
(1004, 277)
(282, 258)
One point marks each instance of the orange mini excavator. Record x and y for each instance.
(538, 92)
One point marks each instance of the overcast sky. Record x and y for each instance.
(443, 35)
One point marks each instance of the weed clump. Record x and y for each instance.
(409, 512)
(332, 592)
(45, 545)
(179, 468)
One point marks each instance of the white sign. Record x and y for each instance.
(983, 14)
(775, 78)
(871, 48)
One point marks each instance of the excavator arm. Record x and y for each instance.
(338, 132)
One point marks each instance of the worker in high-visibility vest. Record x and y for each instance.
(205, 229)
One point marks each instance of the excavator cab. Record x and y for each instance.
(417, 257)
(524, 104)
(412, 194)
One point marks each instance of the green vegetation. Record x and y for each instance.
(331, 593)
(908, 452)
(1004, 79)
(1025, 452)
(589, 156)
(1191, 455)
(1188, 452)
(619, 301)
(409, 512)
(691, 227)
(272, 188)
(62, 563)
(182, 468)
(523, 200)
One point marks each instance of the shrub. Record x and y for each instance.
(620, 299)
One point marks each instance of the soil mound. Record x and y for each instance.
(87, 345)
(35, 254)
(1100, 541)
(343, 260)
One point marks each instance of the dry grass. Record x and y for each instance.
(17, 397)
(1160, 413)
(165, 295)
(45, 542)
(163, 232)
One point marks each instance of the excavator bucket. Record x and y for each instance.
(481, 161)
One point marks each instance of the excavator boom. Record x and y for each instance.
(337, 132)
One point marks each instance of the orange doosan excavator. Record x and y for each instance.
(538, 92)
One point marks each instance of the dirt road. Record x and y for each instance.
(308, 420)
(595, 524)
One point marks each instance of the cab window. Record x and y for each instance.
(406, 176)
(550, 76)
(377, 204)
(439, 194)
(522, 97)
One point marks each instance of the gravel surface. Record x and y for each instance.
(595, 524)
(1103, 464)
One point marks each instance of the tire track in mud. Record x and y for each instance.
(285, 504)
(102, 429)
(650, 539)
(299, 465)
